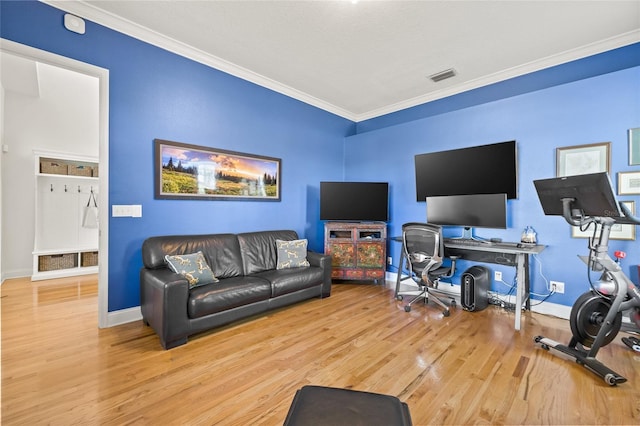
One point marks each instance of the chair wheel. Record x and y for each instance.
(407, 308)
(453, 303)
(446, 313)
(399, 297)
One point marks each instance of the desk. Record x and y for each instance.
(499, 253)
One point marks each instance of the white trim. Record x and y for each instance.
(546, 308)
(553, 309)
(570, 55)
(103, 141)
(124, 316)
(124, 26)
(139, 32)
(19, 273)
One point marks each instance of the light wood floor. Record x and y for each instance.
(471, 368)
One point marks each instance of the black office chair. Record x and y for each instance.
(423, 247)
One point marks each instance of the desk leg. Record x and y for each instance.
(398, 278)
(522, 286)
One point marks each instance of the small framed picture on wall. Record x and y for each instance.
(583, 159)
(628, 183)
(634, 147)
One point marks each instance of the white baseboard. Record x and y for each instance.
(20, 273)
(124, 316)
(545, 308)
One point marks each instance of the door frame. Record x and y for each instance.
(102, 75)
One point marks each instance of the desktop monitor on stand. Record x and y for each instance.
(468, 211)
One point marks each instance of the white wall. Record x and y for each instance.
(63, 117)
(1, 156)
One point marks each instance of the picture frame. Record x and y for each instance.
(583, 159)
(192, 172)
(634, 146)
(618, 231)
(628, 183)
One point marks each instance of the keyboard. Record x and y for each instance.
(481, 243)
(467, 242)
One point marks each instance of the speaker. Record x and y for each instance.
(475, 285)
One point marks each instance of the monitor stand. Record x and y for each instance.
(467, 234)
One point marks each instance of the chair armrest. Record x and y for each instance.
(453, 266)
(323, 261)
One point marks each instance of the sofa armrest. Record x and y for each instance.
(323, 261)
(163, 300)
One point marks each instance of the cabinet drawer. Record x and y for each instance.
(375, 273)
(337, 273)
(354, 273)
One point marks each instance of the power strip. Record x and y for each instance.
(494, 299)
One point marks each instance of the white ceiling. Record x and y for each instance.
(368, 58)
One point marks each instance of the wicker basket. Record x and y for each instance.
(89, 258)
(53, 167)
(53, 262)
(75, 170)
(94, 171)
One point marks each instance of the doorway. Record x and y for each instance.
(102, 75)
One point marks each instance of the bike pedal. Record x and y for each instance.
(632, 342)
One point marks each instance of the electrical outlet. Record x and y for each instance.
(389, 260)
(557, 286)
(497, 275)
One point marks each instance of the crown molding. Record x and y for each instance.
(99, 16)
(109, 20)
(528, 68)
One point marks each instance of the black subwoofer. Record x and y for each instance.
(474, 288)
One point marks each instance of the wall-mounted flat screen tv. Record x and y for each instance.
(354, 201)
(484, 169)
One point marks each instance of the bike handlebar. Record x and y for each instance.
(577, 218)
(628, 214)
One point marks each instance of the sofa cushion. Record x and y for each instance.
(221, 251)
(227, 294)
(193, 267)
(291, 254)
(259, 251)
(284, 281)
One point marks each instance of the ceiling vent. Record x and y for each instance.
(443, 75)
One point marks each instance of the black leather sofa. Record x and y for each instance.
(249, 282)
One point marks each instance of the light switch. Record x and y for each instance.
(124, 210)
(119, 211)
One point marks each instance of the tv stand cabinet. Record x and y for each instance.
(358, 250)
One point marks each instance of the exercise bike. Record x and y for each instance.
(596, 316)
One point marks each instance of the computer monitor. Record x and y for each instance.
(592, 193)
(468, 211)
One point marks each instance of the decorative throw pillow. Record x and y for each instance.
(193, 267)
(291, 254)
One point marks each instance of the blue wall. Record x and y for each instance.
(157, 94)
(597, 109)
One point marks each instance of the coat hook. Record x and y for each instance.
(65, 188)
(51, 187)
(78, 189)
